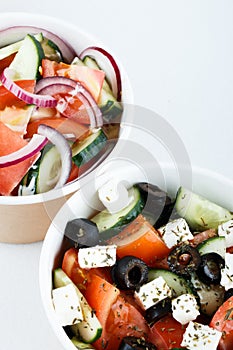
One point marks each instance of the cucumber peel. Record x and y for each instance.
(200, 213)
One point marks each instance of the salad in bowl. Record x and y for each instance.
(61, 107)
(141, 263)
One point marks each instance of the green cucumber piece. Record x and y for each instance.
(49, 169)
(90, 329)
(210, 296)
(178, 284)
(200, 213)
(51, 50)
(44, 174)
(85, 150)
(27, 61)
(105, 220)
(213, 245)
(80, 345)
(14, 47)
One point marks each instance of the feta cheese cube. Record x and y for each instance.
(226, 230)
(227, 272)
(175, 232)
(97, 256)
(67, 305)
(152, 292)
(185, 308)
(114, 196)
(199, 336)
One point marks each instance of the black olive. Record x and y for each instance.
(134, 343)
(184, 259)
(129, 272)
(157, 311)
(82, 232)
(228, 293)
(209, 271)
(159, 205)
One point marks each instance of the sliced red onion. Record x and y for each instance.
(55, 85)
(63, 148)
(49, 81)
(15, 33)
(29, 98)
(107, 63)
(33, 147)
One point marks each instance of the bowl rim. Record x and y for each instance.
(49, 22)
(45, 274)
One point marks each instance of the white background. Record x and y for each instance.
(179, 58)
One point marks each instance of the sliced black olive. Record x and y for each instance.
(159, 205)
(209, 270)
(134, 343)
(228, 293)
(157, 311)
(184, 259)
(82, 232)
(129, 273)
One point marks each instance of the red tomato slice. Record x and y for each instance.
(91, 79)
(10, 176)
(5, 62)
(7, 99)
(62, 124)
(123, 320)
(140, 239)
(223, 322)
(167, 333)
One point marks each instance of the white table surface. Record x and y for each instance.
(178, 55)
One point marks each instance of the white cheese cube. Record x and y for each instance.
(67, 306)
(97, 256)
(152, 292)
(185, 308)
(226, 230)
(201, 337)
(227, 272)
(175, 232)
(114, 196)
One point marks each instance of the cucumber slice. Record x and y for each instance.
(90, 329)
(49, 169)
(105, 220)
(13, 48)
(178, 284)
(28, 59)
(51, 50)
(85, 150)
(213, 245)
(80, 345)
(200, 213)
(210, 296)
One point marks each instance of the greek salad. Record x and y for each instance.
(147, 272)
(59, 110)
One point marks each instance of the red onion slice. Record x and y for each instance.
(33, 147)
(29, 98)
(55, 85)
(15, 33)
(63, 148)
(107, 63)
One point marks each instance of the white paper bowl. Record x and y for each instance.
(85, 202)
(26, 219)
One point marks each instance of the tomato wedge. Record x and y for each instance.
(140, 239)
(223, 322)
(62, 124)
(167, 333)
(91, 79)
(7, 99)
(5, 62)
